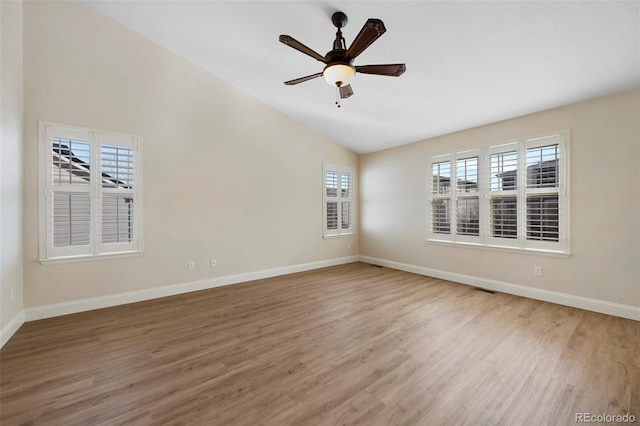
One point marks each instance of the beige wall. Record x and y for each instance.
(11, 181)
(225, 176)
(605, 203)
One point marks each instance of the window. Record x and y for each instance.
(512, 195)
(441, 195)
(461, 193)
(467, 195)
(503, 195)
(91, 182)
(338, 196)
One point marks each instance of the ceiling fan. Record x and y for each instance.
(339, 69)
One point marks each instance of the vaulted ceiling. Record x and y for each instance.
(468, 63)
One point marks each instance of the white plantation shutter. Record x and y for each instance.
(332, 215)
(117, 218)
(71, 219)
(440, 197)
(544, 192)
(331, 200)
(467, 196)
(503, 195)
(504, 217)
(70, 191)
(346, 200)
(91, 197)
(338, 200)
(454, 197)
(118, 205)
(542, 218)
(71, 159)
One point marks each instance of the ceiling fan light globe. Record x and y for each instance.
(338, 74)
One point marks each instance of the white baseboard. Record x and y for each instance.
(9, 330)
(595, 305)
(58, 309)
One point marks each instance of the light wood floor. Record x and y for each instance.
(353, 344)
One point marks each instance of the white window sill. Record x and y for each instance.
(89, 257)
(328, 237)
(551, 253)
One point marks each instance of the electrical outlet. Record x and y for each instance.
(537, 271)
(214, 263)
(191, 265)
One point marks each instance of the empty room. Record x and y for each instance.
(319, 212)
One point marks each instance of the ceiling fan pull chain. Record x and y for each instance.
(338, 96)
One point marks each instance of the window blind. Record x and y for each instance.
(542, 218)
(468, 216)
(504, 217)
(332, 215)
(440, 223)
(467, 175)
(117, 218)
(441, 174)
(71, 218)
(117, 166)
(543, 167)
(71, 160)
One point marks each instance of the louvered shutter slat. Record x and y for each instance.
(440, 222)
(468, 216)
(71, 159)
(542, 218)
(117, 166)
(117, 218)
(332, 215)
(71, 219)
(504, 217)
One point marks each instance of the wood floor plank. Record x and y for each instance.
(352, 344)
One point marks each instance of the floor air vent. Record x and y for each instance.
(485, 290)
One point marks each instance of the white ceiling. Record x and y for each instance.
(468, 63)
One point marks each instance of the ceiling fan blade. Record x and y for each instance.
(345, 91)
(290, 41)
(369, 33)
(302, 79)
(394, 70)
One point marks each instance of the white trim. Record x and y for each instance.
(65, 308)
(339, 200)
(91, 257)
(505, 248)
(595, 305)
(10, 329)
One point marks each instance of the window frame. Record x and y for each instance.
(339, 199)
(48, 252)
(521, 193)
(490, 194)
(452, 196)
